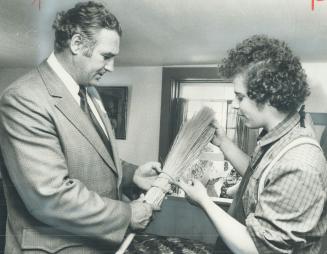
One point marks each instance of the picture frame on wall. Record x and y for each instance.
(115, 101)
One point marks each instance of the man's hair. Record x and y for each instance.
(85, 19)
(272, 73)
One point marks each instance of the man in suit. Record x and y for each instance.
(62, 175)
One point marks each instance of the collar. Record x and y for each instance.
(279, 131)
(64, 76)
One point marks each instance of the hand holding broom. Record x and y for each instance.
(193, 136)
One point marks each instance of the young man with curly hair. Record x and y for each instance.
(280, 206)
(63, 177)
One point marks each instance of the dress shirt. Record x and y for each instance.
(73, 87)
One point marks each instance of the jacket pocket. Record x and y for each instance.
(48, 239)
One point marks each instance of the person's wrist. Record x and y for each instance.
(205, 202)
(224, 140)
(136, 209)
(219, 141)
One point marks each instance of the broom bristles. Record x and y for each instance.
(193, 136)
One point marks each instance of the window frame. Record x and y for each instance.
(172, 77)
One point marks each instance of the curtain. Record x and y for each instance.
(180, 115)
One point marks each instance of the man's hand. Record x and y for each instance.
(146, 174)
(141, 214)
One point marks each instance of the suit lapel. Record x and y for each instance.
(68, 107)
(95, 97)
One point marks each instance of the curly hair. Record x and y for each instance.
(272, 73)
(85, 19)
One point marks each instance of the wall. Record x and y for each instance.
(143, 121)
(317, 78)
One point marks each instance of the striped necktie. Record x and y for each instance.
(87, 110)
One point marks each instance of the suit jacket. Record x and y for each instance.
(62, 187)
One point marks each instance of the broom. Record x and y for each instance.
(193, 136)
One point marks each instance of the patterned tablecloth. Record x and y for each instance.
(153, 244)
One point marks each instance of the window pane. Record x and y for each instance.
(209, 91)
(213, 95)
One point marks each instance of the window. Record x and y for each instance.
(216, 95)
(172, 78)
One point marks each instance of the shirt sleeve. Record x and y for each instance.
(291, 203)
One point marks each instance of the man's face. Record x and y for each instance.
(92, 68)
(253, 115)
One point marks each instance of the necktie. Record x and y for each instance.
(87, 110)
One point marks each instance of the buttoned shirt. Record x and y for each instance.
(73, 87)
(290, 216)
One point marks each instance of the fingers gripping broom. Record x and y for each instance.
(193, 136)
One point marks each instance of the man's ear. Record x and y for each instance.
(76, 44)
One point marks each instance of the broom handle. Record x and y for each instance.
(123, 247)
